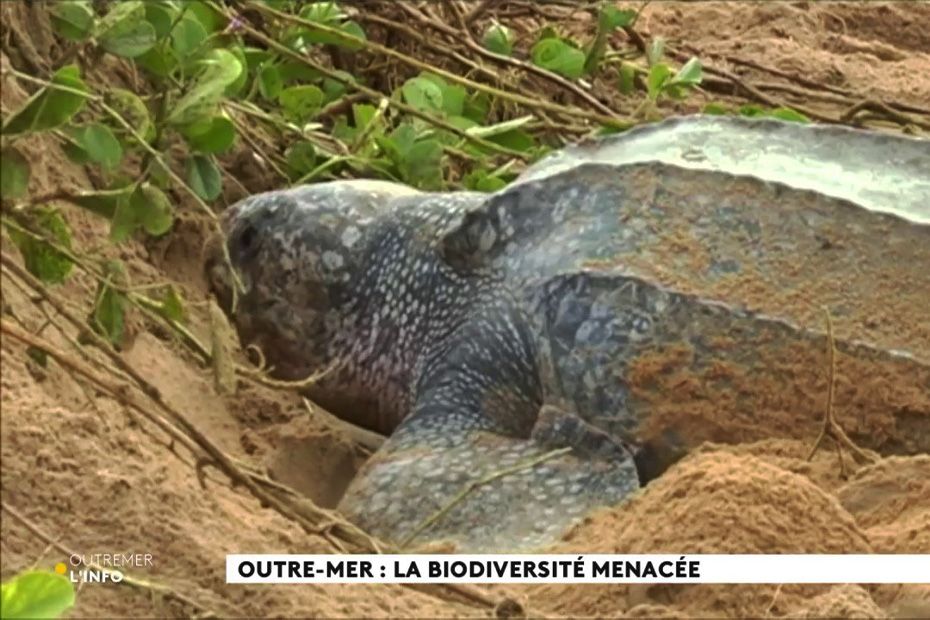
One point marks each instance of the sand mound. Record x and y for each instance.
(845, 601)
(763, 497)
(891, 502)
(719, 502)
(711, 502)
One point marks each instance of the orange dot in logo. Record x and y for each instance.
(60, 568)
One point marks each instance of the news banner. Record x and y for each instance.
(491, 568)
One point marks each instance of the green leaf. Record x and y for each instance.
(133, 110)
(477, 107)
(498, 39)
(453, 99)
(548, 32)
(161, 14)
(609, 130)
(515, 139)
(342, 131)
(157, 216)
(399, 142)
(460, 122)
(658, 76)
(301, 103)
(14, 174)
(750, 109)
(294, 72)
(675, 91)
(717, 109)
(354, 29)
(40, 258)
(483, 181)
(72, 19)
(690, 73)
(159, 174)
(100, 144)
(363, 114)
(102, 202)
(210, 19)
(334, 89)
(256, 57)
(124, 31)
(301, 158)
(423, 94)
(787, 114)
(655, 50)
(328, 14)
(172, 306)
(158, 62)
(203, 176)
(238, 85)
(131, 40)
(211, 135)
(611, 18)
(490, 183)
(49, 107)
(322, 13)
(144, 207)
(369, 126)
(74, 152)
(36, 594)
(220, 69)
(420, 165)
(559, 57)
(627, 81)
(109, 313)
(187, 37)
(270, 82)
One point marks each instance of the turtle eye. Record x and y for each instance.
(247, 238)
(245, 243)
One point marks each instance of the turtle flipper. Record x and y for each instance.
(667, 371)
(437, 481)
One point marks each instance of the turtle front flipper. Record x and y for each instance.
(480, 462)
(435, 481)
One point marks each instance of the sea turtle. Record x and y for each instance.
(542, 351)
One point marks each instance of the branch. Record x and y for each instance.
(831, 428)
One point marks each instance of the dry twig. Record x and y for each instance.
(831, 428)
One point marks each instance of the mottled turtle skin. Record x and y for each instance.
(502, 340)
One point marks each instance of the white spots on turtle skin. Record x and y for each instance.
(350, 235)
(333, 260)
(640, 328)
(486, 239)
(568, 201)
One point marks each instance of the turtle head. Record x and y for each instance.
(295, 254)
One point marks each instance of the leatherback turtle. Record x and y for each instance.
(542, 351)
